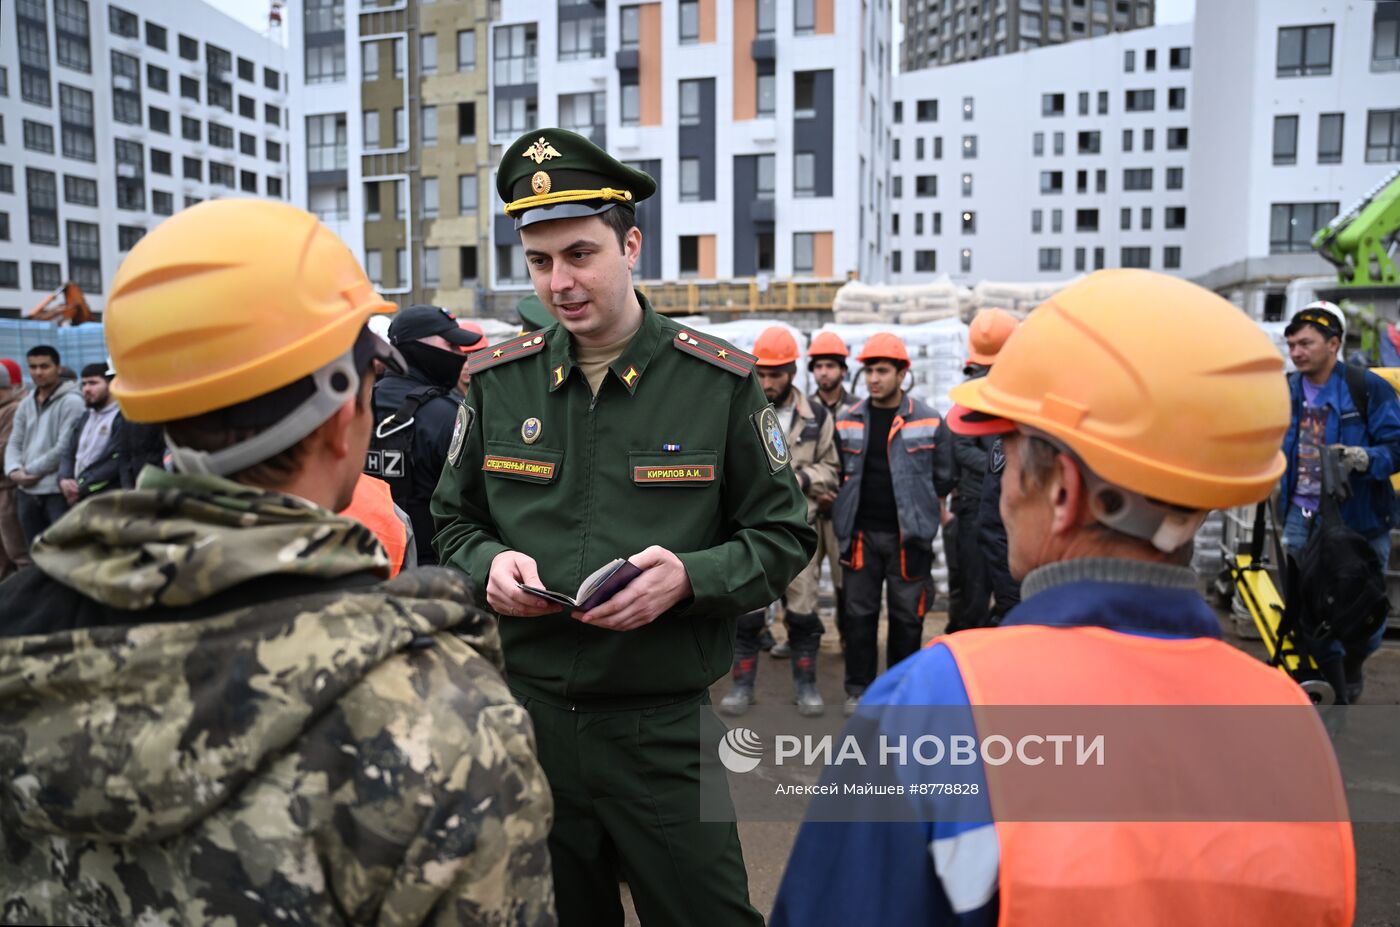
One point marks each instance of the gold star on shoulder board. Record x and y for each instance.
(497, 353)
(723, 352)
(541, 151)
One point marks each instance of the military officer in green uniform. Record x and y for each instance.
(613, 433)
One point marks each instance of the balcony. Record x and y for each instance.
(765, 49)
(627, 59)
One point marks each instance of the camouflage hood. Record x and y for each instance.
(179, 539)
(137, 732)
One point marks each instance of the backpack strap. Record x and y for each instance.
(1356, 385)
(404, 415)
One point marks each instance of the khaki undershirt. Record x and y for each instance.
(595, 361)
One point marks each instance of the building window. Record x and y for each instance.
(1176, 178)
(969, 146)
(515, 116)
(122, 23)
(1285, 139)
(1135, 257)
(966, 184)
(160, 162)
(969, 223)
(400, 58)
(1171, 257)
(690, 180)
(1292, 225)
(246, 70)
(927, 111)
(428, 125)
(1052, 104)
(1176, 98)
(766, 89)
(1078, 259)
(766, 18)
(157, 78)
(466, 122)
(1146, 221)
(1059, 143)
(765, 173)
(427, 53)
(1089, 142)
(581, 39)
(1148, 137)
(1038, 144)
(1174, 217)
(1057, 221)
(896, 262)
(1125, 219)
(401, 268)
(221, 174)
(1103, 103)
(38, 137)
(926, 261)
(32, 34)
(1127, 139)
(128, 236)
(220, 136)
(926, 185)
(804, 95)
(803, 253)
(965, 260)
(247, 107)
(80, 191)
(192, 168)
(466, 264)
(1049, 259)
(690, 22)
(1139, 101)
(71, 33)
(42, 189)
(126, 89)
(630, 104)
(967, 109)
(374, 267)
(515, 56)
(1129, 61)
(75, 117)
(1383, 135)
(1052, 182)
(325, 64)
(763, 253)
(1329, 137)
(466, 50)
(1385, 41)
(1037, 221)
(163, 204)
(1177, 138)
(247, 144)
(432, 270)
(584, 113)
(1086, 220)
(271, 79)
(629, 27)
(46, 275)
(1304, 51)
(189, 88)
(189, 48)
(325, 143)
(1083, 102)
(689, 255)
(466, 194)
(804, 174)
(1137, 178)
(804, 17)
(430, 197)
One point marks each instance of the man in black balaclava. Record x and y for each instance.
(414, 415)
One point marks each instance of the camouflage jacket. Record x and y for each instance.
(349, 756)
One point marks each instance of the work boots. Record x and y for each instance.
(805, 637)
(740, 695)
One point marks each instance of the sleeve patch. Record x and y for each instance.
(770, 435)
(466, 417)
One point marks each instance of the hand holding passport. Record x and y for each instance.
(600, 586)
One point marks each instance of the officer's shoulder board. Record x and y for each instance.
(714, 351)
(514, 349)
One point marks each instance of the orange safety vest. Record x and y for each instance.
(1114, 872)
(373, 507)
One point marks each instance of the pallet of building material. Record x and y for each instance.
(920, 316)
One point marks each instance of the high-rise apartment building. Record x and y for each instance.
(113, 117)
(940, 32)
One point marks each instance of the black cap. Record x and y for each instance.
(417, 322)
(1322, 319)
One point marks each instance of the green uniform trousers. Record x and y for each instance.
(627, 799)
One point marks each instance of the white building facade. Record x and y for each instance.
(113, 117)
(1042, 164)
(733, 106)
(1302, 119)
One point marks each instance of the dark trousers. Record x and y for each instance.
(626, 790)
(37, 512)
(804, 632)
(969, 604)
(875, 565)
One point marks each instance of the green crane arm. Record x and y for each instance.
(1361, 241)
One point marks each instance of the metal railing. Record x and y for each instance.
(690, 298)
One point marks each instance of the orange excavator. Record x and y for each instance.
(67, 304)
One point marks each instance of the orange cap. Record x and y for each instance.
(470, 326)
(827, 344)
(1114, 367)
(988, 332)
(884, 346)
(775, 347)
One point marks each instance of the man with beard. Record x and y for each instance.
(811, 439)
(91, 454)
(415, 413)
(826, 361)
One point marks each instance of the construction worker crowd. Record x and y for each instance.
(414, 629)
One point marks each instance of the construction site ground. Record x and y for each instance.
(767, 844)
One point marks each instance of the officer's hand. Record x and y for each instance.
(511, 567)
(663, 583)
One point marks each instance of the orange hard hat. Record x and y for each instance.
(1114, 369)
(470, 326)
(988, 332)
(227, 301)
(775, 347)
(884, 346)
(828, 344)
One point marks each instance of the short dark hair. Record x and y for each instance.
(621, 219)
(94, 370)
(44, 350)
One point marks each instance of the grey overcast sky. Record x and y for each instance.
(254, 12)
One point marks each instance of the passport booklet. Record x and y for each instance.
(604, 583)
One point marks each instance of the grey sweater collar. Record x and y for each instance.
(1108, 570)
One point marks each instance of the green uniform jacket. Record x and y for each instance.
(599, 482)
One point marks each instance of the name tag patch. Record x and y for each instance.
(693, 474)
(519, 466)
